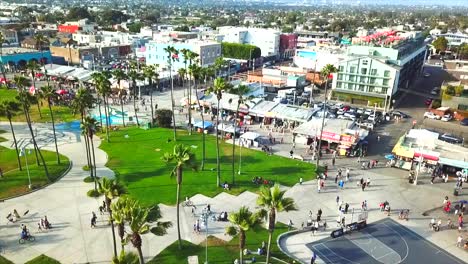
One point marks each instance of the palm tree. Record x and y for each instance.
(195, 72)
(217, 89)
(138, 226)
(126, 258)
(172, 56)
(149, 72)
(49, 93)
(120, 75)
(218, 65)
(88, 129)
(2, 68)
(40, 40)
(191, 56)
(273, 200)
(242, 221)
(26, 99)
(111, 189)
(240, 91)
(95, 78)
(326, 71)
(33, 68)
(103, 86)
(121, 213)
(8, 109)
(135, 76)
(183, 158)
(182, 74)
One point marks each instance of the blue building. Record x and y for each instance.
(17, 58)
(207, 51)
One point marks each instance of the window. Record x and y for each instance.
(339, 84)
(352, 69)
(372, 80)
(340, 77)
(363, 79)
(364, 62)
(385, 82)
(352, 78)
(373, 72)
(350, 86)
(371, 89)
(384, 90)
(364, 71)
(341, 68)
(361, 88)
(387, 73)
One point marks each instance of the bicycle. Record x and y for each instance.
(29, 238)
(187, 203)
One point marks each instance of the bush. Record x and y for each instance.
(240, 51)
(93, 193)
(85, 168)
(164, 118)
(89, 179)
(43, 259)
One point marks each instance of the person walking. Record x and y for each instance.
(337, 200)
(93, 220)
(300, 181)
(347, 174)
(291, 153)
(346, 208)
(363, 186)
(341, 184)
(336, 178)
(367, 182)
(314, 257)
(333, 161)
(459, 241)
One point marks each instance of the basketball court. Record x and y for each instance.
(384, 241)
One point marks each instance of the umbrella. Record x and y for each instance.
(390, 156)
(62, 92)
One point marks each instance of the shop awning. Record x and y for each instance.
(427, 154)
(403, 151)
(454, 163)
(204, 125)
(250, 135)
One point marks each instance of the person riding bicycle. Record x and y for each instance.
(24, 234)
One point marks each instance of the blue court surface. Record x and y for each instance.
(384, 241)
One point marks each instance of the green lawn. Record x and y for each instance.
(136, 160)
(3, 260)
(223, 252)
(61, 113)
(42, 259)
(15, 182)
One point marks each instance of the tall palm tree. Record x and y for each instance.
(185, 54)
(104, 89)
(82, 101)
(40, 41)
(183, 158)
(218, 65)
(88, 129)
(240, 91)
(191, 56)
(273, 200)
(49, 93)
(172, 56)
(33, 68)
(119, 76)
(121, 214)
(8, 109)
(2, 67)
(242, 221)
(138, 226)
(26, 99)
(135, 76)
(217, 89)
(326, 72)
(195, 72)
(111, 189)
(96, 76)
(126, 258)
(151, 74)
(182, 75)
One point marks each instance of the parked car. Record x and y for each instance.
(451, 138)
(431, 115)
(360, 110)
(464, 122)
(446, 118)
(399, 114)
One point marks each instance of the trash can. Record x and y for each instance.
(455, 192)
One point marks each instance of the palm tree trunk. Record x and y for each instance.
(100, 113)
(88, 154)
(134, 105)
(121, 105)
(179, 182)
(113, 230)
(16, 144)
(39, 151)
(172, 103)
(94, 162)
(53, 130)
(234, 145)
(323, 123)
(121, 232)
(218, 167)
(241, 245)
(190, 105)
(140, 255)
(151, 101)
(37, 95)
(270, 234)
(107, 118)
(203, 122)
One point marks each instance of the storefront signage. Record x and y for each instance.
(330, 136)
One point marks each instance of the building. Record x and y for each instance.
(31, 43)
(378, 66)
(288, 45)
(455, 39)
(11, 37)
(77, 54)
(315, 58)
(268, 40)
(17, 58)
(208, 52)
(458, 70)
(83, 25)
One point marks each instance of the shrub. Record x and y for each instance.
(89, 179)
(85, 168)
(164, 118)
(240, 51)
(93, 193)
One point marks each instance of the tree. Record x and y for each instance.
(273, 200)
(195, 72)
(26, 99)
(76, 13)
(103, 87)
(95, 79)
(217, 89)
(183, 158)
(8, 109)
(241, 222)
(135, 27)
(172, 56)
(151, 74)
(111, 189)
(183, 28)
(240, 91)
(219, 64)
(88, 129)
(126, 258)
(33, 68)
(138, 227)
(440, 44)
(40, 41)
(49, 93)
(119, 76)
(121, 213)
(2, 41)
(326, 72)
(135, 76)
(462, 51)
(182, 73)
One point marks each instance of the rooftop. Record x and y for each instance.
(17, 50)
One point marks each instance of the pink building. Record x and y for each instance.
(288, 44)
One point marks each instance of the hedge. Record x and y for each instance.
(240, 51)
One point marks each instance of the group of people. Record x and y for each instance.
(223, 216)
(44, 224)
(364, 183)
(14, 216)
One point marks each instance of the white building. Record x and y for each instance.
(455, 39)
(11, 37)
(268, 40)
(315, 58)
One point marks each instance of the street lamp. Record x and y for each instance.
(206, 217)
(23, 153)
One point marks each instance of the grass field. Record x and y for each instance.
(42, 259)
(3, 260)
(136, 160)
(223, 252)
(15, 182)
(61, 113)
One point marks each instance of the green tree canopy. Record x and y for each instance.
(77, 13)
(440, 44)
(240, 51)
